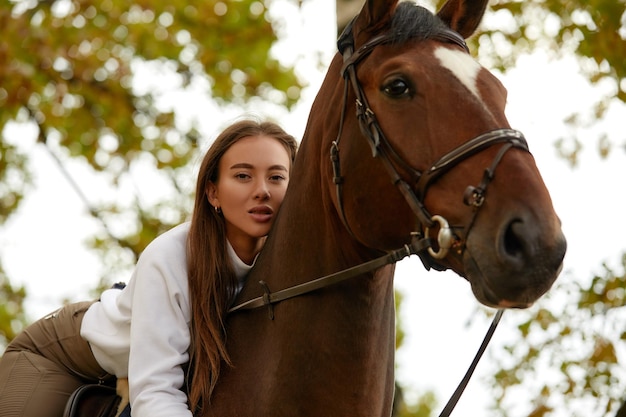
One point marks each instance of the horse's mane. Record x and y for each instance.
(411, 21)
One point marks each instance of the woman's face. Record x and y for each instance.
(251, 185)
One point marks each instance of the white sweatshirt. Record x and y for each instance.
(142, 331)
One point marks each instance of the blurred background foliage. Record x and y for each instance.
(593, 31)
(74, 69)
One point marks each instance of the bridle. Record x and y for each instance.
(421, 243)
(382, 148)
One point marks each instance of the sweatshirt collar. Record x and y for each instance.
(240, 267)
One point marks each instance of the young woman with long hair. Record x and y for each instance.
(166, 327)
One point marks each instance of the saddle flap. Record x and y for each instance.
(92, 400)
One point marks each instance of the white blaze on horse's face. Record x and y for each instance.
(462, 65)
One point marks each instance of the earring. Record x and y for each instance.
(218, 210)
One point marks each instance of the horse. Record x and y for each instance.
(429, 165)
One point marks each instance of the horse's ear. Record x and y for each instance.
(375, 15)
(463, 16)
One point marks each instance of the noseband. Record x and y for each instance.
(381, 147)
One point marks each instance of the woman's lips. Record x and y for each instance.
(261, 214)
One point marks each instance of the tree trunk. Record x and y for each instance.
(346, 10)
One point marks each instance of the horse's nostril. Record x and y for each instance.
(514, 242)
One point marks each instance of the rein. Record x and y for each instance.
(270, 298)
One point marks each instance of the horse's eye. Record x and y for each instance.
(397, 88)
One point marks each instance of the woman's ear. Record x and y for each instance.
(211, 194)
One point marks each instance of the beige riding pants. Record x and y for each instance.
(45, 363)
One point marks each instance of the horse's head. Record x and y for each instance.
(434, 120)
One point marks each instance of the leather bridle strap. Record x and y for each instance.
(511, 137)
(371, 130)
(269, 298)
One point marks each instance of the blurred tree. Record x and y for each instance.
(72, 68)
(76, 70)
(565, 359)
(592, 31)
(12, 315)
(14, 180)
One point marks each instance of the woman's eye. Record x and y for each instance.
(242, 176)
(397, 88)
(277, 177)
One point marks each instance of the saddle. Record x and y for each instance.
(96, 400)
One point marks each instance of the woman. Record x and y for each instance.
(172, 312)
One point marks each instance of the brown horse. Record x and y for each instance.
(429, 165)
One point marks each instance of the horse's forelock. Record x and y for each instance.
(411, 21)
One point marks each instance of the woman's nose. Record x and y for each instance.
(262, 191)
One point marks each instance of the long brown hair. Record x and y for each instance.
(212, 281)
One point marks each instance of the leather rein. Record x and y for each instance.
(421, 243)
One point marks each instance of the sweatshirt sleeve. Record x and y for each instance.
(159, 330)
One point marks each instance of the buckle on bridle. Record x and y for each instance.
(445, 238)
